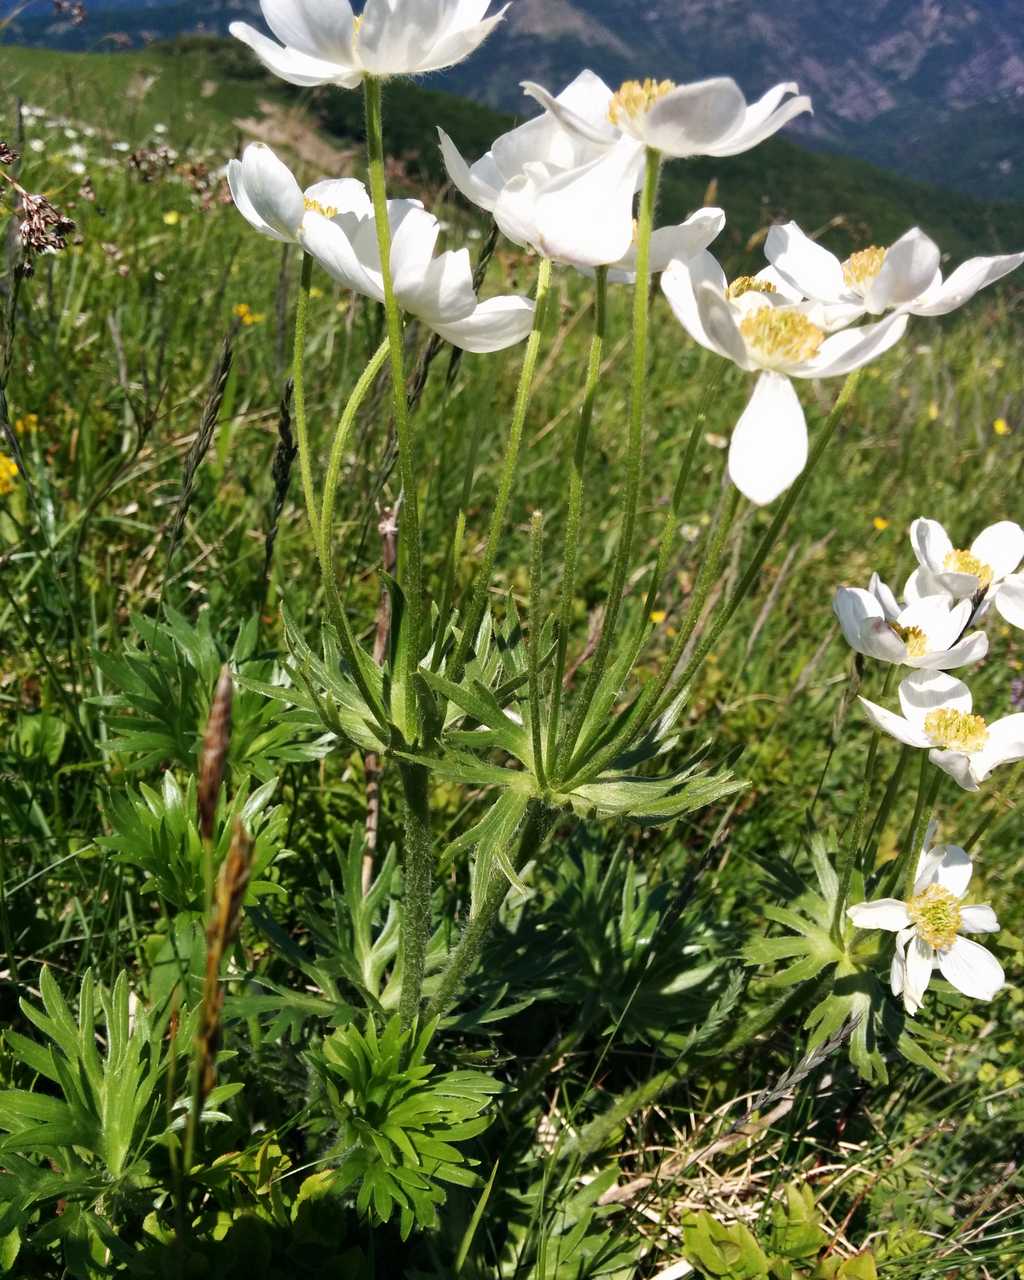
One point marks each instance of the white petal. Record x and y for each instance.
(762, 120)
(895, 726)
(954, 869)
(263, 185)
(403, 37)
(444, 293)
(680, 283)
(851, 348)
(330, 246)
(1009, 600)
(964, 283)
(459, 44)
(960, 767)
(925, 691)
(883, 594)
(478, 189)
(515, 210)
(320, 28)
(940, 622)
(495, 324)
(807, 265)
(680, 242)
(979, 918)
(585, 216)
(972, 648)
(343, 195)
(931, 544)
(923, 583)
(291, 65)
(589, 126)
(692, 117)
(898, 968)
(1001, 547)
(853, 607)
(768, 449)
(909, 268)
(718, 319)
(918, 973)
(884, 913)
(1005, 743)
(972, 969)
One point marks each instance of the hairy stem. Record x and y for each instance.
(634, 462)
(417, 883)
(299, 383)
(410, 547)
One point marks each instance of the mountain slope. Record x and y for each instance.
(933, 89)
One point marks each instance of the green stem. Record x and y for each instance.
(575, 508)
(410, 558)
(885, 808)
(536, 626)
(634, 465)
(417, 884)
(928, 789)
(675, 514)
(478, 604)
(299, 385)
(463, 959)
(749, 579)
(325, 526)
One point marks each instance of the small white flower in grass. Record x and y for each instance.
(761, 324)
(929, 928)
(710, 118)
(323, 42)
(990, 565)
(874, 280)
(532, 181)
(927, 634)
(938, 717)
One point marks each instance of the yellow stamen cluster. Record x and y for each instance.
(860, 268)
(314, 206)
(636, 98)
(914, 638)
(936, 916)
(956, 730)
(776, 333)
(8, 473)
(965, 562)
(750, 284)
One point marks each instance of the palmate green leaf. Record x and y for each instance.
(652, 799)
(477, 701)
(398, 1125)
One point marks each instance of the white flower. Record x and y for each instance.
(938, 717)
(438, 290)
(323, 42)
(707, 118)
(927, 634)
(761, 324)
(990, 566)
(267, 195)
(928, 929)
(333, 221)
(905, 275)
(532, 181)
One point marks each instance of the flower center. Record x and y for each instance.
(956, 730)
(860, 268)
(779, 334)
(914, 638)
(750, 284)
(636, 98)
(964, 562)
(325, 210)
(936, 915)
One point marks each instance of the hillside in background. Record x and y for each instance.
(933, 89)
(212, 90)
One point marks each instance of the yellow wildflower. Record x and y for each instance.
(8, 472)
(172, 217)
(26, 424)
(933, 411)
(659, 616)
(880, 523)
(1001, 427)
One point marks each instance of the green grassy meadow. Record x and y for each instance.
(136, 554)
